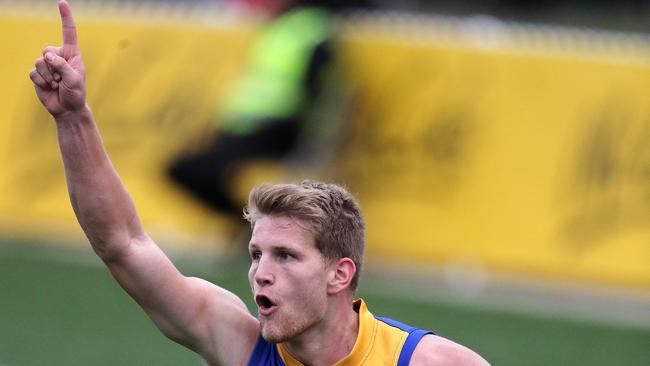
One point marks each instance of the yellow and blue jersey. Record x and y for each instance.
(381, 341)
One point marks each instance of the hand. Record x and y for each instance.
(59, 76)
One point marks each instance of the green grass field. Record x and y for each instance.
(60, 307)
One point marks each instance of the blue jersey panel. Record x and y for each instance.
(265, 354)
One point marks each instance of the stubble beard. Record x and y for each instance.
(286, 327)
(282, 330)
(279, 333)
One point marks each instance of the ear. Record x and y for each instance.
(342, 272)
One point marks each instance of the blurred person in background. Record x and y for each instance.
(306, 254)
(264, 114)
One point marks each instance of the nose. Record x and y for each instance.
(263, 273)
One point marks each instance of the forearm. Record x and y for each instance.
(100, 201)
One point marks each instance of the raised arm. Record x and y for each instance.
(191, 311)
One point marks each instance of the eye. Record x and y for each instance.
(255, 255)
(284, 255)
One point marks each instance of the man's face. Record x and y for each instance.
(288, 277)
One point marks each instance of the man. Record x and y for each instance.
(306, 251)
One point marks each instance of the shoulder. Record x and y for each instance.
(435, 350)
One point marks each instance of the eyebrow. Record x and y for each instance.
(282, 248)
(272, 248)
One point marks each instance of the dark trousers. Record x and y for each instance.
(207, 173)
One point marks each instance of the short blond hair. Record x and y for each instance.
(333, 214)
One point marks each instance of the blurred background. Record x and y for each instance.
(498, 150)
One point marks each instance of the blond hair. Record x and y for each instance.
(331, 211)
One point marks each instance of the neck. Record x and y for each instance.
(331, 339)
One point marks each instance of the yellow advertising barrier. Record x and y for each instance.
(533, 163)
(507, 149)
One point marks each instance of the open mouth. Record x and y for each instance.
(264, 304)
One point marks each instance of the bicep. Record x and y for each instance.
(191, 311)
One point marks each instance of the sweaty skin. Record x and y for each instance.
(303, 300)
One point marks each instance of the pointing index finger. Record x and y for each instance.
(67, 22)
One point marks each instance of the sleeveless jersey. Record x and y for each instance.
(381, 341)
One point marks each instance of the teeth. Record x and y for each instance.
(263, 301)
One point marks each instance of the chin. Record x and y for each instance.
(279, 333)
(275, 335)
